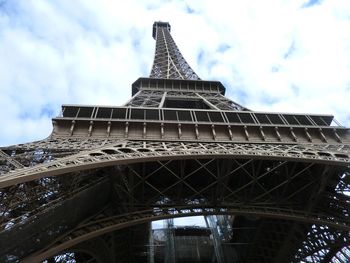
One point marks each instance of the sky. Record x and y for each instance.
(274, 55)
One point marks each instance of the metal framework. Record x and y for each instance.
(273, 187)
(168, 61)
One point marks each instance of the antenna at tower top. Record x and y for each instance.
(160, 24)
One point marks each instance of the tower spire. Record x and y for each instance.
(168, 61)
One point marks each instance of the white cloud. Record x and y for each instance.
(274, 56)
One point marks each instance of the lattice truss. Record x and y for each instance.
(309, 217)
(168, 61)
(92, 197)
(152, 98)
(146, 98)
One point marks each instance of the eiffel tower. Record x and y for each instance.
(272, 187)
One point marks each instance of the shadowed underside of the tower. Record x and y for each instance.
(272, 187)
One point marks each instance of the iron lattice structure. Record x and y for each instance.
(273, 187)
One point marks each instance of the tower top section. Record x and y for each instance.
(168, 61)
(160, 24)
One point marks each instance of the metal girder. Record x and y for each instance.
(12, 161)
(155, 99)
(126, 152)
(324, 244)
(240, 179)
(194, 118)
(102, 224)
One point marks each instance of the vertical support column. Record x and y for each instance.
(169, 249)
(112, 247)
(211, 223)
(151, 245)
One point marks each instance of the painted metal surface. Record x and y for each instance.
(177, 148)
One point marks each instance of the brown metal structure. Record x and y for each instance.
(178, 148)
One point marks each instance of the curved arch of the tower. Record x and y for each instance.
(272, 187)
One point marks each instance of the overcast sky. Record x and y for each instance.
(275, 55)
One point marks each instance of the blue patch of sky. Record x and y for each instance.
(200, 56)
(154, 6)
(19, 17)
(211, 63)
(189, 10)
(295, 90)
(25, 115)
(275, 69)
(135, 36)
(203, 59)
(290, 50)
(83, 16)
(144, 68)
(8, 7)
(15, 14)
(223, 47)
(268, 99)
(236, 93)
(136, 43)
(240, 96)
(46, 110)
(311, 3)
(86, 25)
